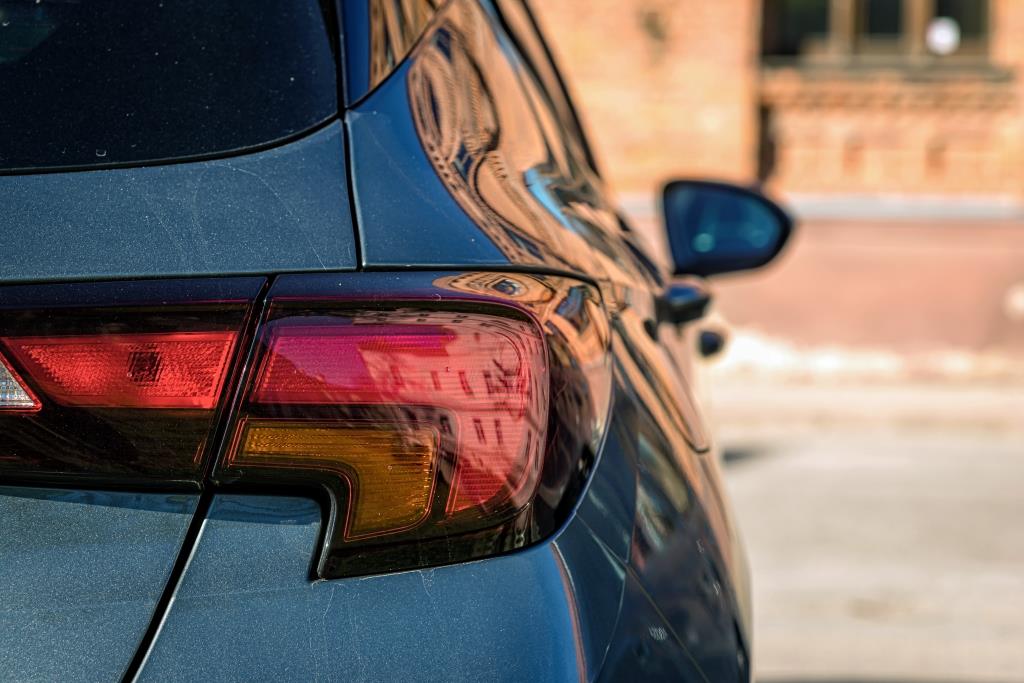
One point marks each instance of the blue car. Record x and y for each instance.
(326, 354)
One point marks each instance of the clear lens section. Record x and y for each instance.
(13, 394)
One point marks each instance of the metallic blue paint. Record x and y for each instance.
(283, 209)
(457, 158)
(247, 610)
(644, 647)
(577, 604)
(457, 161)
(420, 224)
(80, 576)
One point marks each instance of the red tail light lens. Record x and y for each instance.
(429, 425)
(126, 378)
(170, 370)
(485, 374)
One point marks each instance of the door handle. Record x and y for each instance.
(711, 342)
(683, 301)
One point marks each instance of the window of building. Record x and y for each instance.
(878, 26)
(792, 28)
(971, 17)
(874, 31)
(881, 18)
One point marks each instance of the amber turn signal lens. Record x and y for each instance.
(389, 470)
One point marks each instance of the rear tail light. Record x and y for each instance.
(154, 370)
(426, 417)
(483, 376)
(124, 379)
(15, 396)
(440, 417)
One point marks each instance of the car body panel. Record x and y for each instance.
(644, 647)
(421, 225)
(489, 174)
(247, 610)
(578, 604)
(377, 37)
(459, 158)
(282, 209)
(82, 572)
(497, 147)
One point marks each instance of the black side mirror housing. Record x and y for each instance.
(717, 228)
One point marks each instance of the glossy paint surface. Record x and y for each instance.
(79, 577)
(518, 187)
(282, 209)
(491, 174)
(246, 610)
(378, 35)
(644, 647)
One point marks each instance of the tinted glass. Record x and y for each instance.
(88, 82)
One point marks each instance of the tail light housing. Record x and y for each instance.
(125, 379)
(440, 417)
(445, 417)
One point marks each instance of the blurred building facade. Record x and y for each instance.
(893, 128)
(813, 97)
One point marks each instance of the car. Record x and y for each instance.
(327, 354)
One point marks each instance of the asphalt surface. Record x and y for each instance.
(902, 286)
(886, 554)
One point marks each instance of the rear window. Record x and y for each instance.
(91, 82)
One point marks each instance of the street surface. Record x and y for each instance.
(887, 553)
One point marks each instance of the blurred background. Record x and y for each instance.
(871, 401)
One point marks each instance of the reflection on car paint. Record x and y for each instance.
(502, 172)
(498, 147)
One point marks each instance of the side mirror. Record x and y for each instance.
(720, 228)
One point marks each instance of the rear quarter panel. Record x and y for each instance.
(461, 158)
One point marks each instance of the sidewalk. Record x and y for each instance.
(743, 406)
(890, 555)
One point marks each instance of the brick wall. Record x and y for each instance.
(675, 88)
(885, 133)
(667, 87)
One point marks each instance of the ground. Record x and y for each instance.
(888, 553)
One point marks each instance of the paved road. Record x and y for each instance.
(884, 554)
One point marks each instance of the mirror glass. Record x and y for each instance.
(716, 228)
